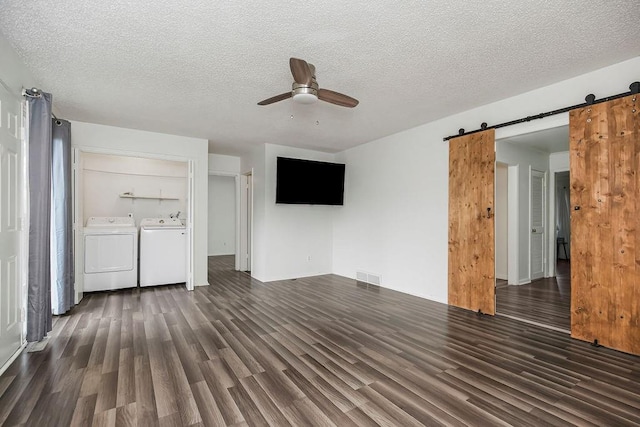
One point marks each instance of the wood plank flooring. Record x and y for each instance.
(546, 301)
(315, 351)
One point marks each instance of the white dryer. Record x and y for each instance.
(110, 253)
(163, 251)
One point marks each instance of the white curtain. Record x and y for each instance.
(563, 221)
(62, 275)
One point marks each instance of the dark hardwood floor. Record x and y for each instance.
(546, 301)
(313, 351)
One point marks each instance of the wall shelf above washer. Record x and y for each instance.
(132, 196)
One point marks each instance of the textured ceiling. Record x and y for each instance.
(198, 68)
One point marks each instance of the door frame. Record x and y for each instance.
(501, 220)
(560, 120)
(512, 219)
(236, 177)
(78, 214)
(246, 222)
(556, 121)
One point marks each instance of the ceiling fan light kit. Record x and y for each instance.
(305, 88)
(305, 94)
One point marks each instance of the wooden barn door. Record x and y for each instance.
(605, 224)
(471, 222)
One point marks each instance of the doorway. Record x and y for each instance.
(221, 239)
(534, 293)
(115, 183)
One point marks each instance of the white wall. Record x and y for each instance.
(289, 240)
(222, 215)
(501, 216)
(394, 221)
(224, 164)
(106, 177)
(559, 162)
(13, 72)
(129, 142)
(288, 253)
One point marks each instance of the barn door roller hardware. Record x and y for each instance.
(634, 88)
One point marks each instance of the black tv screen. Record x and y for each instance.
(308, 182)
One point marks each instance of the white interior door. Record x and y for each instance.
(249, 219)
(246, 208)
(10, 296)
(537, 224)
(189, 241)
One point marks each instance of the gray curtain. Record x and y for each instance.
(62, 292)
(39, 284)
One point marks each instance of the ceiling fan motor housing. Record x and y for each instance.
(303, 93)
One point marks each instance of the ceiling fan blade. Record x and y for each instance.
(301, 71)
(276, 98)
(337, 98)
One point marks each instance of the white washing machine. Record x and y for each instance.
(163, 251)
(110, 253)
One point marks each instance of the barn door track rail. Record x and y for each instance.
(634, 89)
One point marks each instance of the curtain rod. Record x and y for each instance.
(34, 92)
(634, 88)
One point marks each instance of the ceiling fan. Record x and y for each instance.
(305, 88)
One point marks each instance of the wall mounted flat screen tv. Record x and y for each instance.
(308, 182)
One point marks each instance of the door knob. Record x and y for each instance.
(533, 230)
